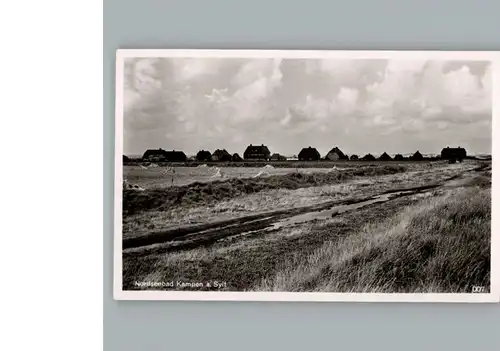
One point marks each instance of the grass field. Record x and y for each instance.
(409, 227)
(162, 177)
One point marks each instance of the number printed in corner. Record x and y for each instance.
(478, 289)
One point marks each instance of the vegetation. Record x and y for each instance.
(243, 262)
(277, 164)
(441, 245)
(437, 240)
(206, 193)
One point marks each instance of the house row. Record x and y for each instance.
(253, 152)
(335, 154)
(262, 153)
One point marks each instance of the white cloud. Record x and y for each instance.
(144, 72)
(406, 66)
(217, 96)
(257, 79)
(287, 118)
(442, 125)
(346, 100)
(431, 111)
(380, 120)
(487, 80)
(190, 126)
(188, 69)
(315, 108)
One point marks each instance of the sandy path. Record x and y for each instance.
(188, 237)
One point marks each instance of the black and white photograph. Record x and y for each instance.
(305, 176)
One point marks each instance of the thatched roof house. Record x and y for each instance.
(369, 157)
(417, 156)
(399, 157)
(309, 154)
(155, 155)
(278, 157)
(354, 157)
(236, 158)
(221, 155)
(336, 154)
(203, 155)
(257, 152)
(163, 155)
(453, 153)
(176, 156)
(385, 157)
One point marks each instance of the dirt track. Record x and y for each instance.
(189, 237)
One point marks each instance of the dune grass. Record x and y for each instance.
(439, 245)
(263, 201)
(276, 199)
(244, 261)
(208, 193)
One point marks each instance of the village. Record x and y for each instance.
(308, 154)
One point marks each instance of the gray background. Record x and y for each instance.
(267, 24)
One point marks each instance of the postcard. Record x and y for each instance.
(262, 175)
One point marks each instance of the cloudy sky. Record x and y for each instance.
(362, 106)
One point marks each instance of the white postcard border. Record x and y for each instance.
(120, 294)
